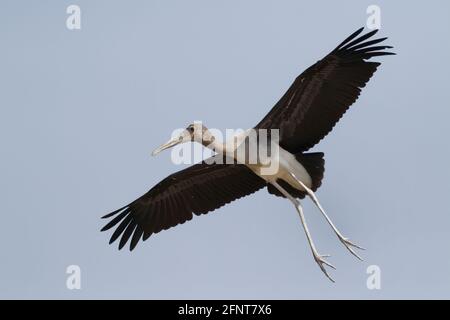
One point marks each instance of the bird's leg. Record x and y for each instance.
(345, 241)
(320, 259)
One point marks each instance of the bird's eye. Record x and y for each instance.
(191, 129)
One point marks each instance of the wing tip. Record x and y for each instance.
(356, 46)
(350, 38)
(109, 215)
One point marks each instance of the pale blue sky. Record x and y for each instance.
(82, 110)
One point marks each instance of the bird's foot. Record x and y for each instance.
(322, 263)
(350, 245)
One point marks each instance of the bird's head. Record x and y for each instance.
(195, 132)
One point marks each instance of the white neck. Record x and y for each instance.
(229, 146)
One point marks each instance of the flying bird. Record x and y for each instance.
(304, 115)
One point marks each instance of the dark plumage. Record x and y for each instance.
(198, 189)
(306, 113)
(321, 95)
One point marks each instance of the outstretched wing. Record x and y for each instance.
(320, 96)
(198, 189)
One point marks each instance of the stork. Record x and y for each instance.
(306, 113)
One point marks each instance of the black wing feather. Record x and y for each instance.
(321, 95)
(198, 189)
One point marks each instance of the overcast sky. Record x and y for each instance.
(81, 110)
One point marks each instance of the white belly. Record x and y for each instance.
(283, 161)
(286, 164)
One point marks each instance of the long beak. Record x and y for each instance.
(167, 145)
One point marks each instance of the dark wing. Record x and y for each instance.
(322, 94)
(198, 189)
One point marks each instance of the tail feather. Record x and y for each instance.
(314, 163)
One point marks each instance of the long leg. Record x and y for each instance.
(347, 243)
(317, 257)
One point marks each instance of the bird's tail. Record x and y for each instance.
(314, 163)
